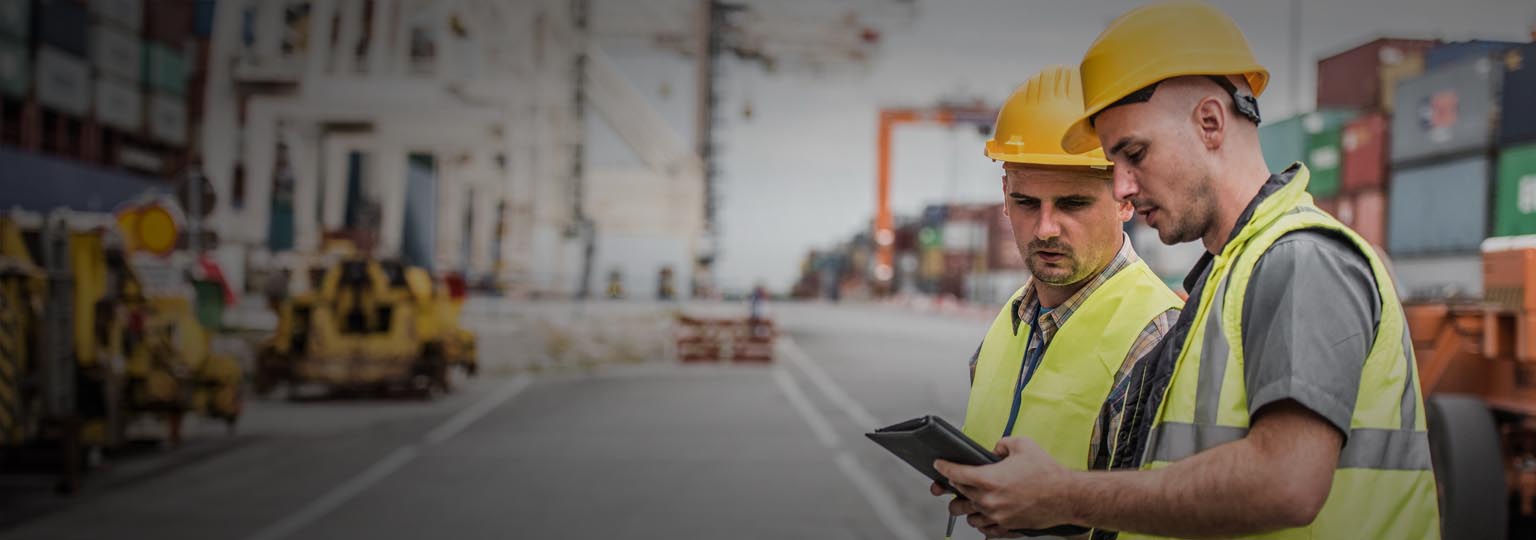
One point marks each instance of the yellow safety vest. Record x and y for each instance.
(1383, 486)
(1058, 408)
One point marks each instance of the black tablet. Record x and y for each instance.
(922, 440)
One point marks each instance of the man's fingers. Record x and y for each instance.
(936, 489)
(980, 522)
(959, 475)
(961, 507)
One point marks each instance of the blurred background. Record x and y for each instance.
(564, 268)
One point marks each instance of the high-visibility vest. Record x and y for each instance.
(1059, 406)
(1383, 486)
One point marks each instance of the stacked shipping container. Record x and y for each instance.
(100, 81)
(1443, 151)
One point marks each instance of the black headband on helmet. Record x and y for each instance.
(1246, 104)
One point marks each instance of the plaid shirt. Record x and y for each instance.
(1048, 323)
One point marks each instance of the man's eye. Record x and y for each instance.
(1027, 203)
(1136, 155)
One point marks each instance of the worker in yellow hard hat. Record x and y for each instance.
(1285, 402)
(1062, 345)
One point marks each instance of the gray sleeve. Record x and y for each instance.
(1309, 320)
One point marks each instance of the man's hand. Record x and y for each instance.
(1017, 493)
(962, 506)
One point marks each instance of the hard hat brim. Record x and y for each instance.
(1081, 160)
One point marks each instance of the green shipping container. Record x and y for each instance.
(1514, 209)
(15, 69)
(1324, 154)
(165, 69)
(1285, 141)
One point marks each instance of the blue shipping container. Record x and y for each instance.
(1450, 53)
(202, 18)
(1517, 121)
(1440, 208)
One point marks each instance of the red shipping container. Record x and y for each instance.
(1365, 153)
(1002, 251)
(1353, 78)
(168, 21)
(1366, 213)
(1329, 205)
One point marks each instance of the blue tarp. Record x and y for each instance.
(41, 183)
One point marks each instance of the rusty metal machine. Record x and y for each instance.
(1477, 367)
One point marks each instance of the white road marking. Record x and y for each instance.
(392, 462)
(818, 423)
(879, 498)
(828, 387)
(338, 496)
(468, 416)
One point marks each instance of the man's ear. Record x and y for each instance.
(1210, 118)
(1125, 211)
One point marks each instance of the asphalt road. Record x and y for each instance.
(642, 450)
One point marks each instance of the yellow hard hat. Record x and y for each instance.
(1032, 121)
(1157, 42)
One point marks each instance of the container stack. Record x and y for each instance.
(1514, 211)
(103, 82)
(118, 65)
(1443, 153)
(1363, 79)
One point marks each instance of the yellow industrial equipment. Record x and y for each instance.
(368, 324)
(98, 347)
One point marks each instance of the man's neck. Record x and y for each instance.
(1050, 295)
(1233, 193)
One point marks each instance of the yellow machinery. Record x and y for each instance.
(368, 324)
(85, 349)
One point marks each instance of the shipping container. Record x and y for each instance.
(1002, 250)
(1365, 153)
(1366, 213)
(1357, 79)
(1514, 209)
(65, 25)
(1439, 208)
(170, 21)
(1440, 277)
(117, 53)
(15, 68)
(1285, 141)
(1329, 205)
(202, 24)
(1445, 112)
(1394, 74)
(1517, 121)
(16, 20)
(119, 105)
(165, 69)
(63, 81)
(125, 14)
(1323, 157)
(168, 119)
(1457, 52)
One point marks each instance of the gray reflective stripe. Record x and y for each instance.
(1178, 440)
(1407, 405)
(1386, 449)
(1213, 359)
(1381, 449)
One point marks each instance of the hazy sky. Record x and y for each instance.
(800, 172)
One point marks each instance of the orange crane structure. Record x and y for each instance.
(944, 114)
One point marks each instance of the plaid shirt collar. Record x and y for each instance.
(1027, 303)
